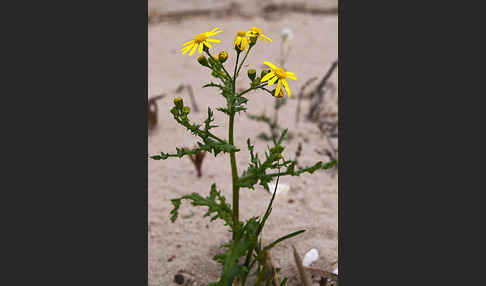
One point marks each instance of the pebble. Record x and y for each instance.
(281, 188)
(311, 256)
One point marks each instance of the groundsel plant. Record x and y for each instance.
(244, 251)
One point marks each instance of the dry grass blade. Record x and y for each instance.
(152, 110)
(300, 268)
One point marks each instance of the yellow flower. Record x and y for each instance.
(257, 33)
(241, 40)
(201, 40)
(278, 74)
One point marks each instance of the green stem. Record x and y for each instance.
(234, 75)
(243, 61)
(252, 88)
(234, 176)
(234, 170)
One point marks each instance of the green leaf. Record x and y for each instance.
(290, 235)
(217, 209)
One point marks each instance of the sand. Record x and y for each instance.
(312, 201)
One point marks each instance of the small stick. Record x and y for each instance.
(299, 97)
(300, 268)
(193, 100)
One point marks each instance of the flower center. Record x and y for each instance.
(241, 34)
(256, 31)
(280, 72)
(200, 38)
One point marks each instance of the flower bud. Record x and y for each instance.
(179, 103)
(203, 61)
(215, 74)
(186, 109)
(277, 149)
(253, 40)
(256, 82)
(264, 72)
(251, 74)
(223, 56)
(174, 111)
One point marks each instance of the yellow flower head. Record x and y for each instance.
(241, 40)
(280, 75)
(257, 33)
(200, 40)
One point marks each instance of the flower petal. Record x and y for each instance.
(266, 38)
(186, 49)
(273, 80)
(193, 49)
(213, 30)
(187, 43)
(267, 76)
(201, 46)
(213, 40)
(209, 34)
(291, 75)
(286, 85)
(207, 44)
(270, 65)
(277, 91)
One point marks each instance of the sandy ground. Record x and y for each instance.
(312, 202)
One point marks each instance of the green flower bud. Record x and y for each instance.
(179, 103)
(264, 72)
(251, 74)
(215, 74)
(174, 111)
(203, 61)
(256, 82)
(277, 149)
(253, 40)
(186, 109)
(223, 56)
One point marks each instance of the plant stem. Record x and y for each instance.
(234, 170)
(252, 88)
(234, 176)
(243, 61)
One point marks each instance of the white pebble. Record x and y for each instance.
(281, 188)
(311, 256)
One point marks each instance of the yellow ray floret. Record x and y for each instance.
(241, 40)
(200, 40)
(257, 33)
(280, 76)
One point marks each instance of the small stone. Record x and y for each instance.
(311, 256)
(281, 188)
(179, 279)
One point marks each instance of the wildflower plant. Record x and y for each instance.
(245, 250)
(280, 100)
